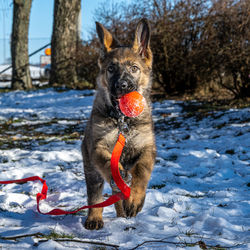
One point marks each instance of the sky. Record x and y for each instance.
(41, 22)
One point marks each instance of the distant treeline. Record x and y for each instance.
(194, 42)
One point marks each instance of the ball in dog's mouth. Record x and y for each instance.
(132, 104)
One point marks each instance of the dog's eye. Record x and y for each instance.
(134, 69)
(111, 69)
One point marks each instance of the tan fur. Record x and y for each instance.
(102, 130)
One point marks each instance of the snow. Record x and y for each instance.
(198, 192)
(35, 73)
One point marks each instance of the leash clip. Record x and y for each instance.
(122, 125)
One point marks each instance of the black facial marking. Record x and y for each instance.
(122, 79)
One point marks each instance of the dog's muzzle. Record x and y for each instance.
(123, 87)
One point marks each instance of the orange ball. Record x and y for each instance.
(132, 104)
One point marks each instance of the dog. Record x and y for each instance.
(123, 69)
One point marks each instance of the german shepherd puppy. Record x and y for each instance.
(122, 70)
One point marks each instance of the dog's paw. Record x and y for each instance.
(133, 205)
(93, 224)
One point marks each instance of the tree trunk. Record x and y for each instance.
(19, 45)
(64, 43)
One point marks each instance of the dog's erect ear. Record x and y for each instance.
(108, 42)
(142, 41)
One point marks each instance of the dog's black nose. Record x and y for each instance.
(122, 84)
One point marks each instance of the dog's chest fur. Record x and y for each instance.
(138, 135)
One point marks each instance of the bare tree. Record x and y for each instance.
(226, 41)
(64, 42)
(19, 45)
(197, 44)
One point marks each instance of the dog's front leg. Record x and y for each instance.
(102, 161)
(141, 173)
(94, 183)
(95, 169)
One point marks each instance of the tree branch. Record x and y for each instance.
(41, 235)
(22, 236)
(199, 243)
(83, 242)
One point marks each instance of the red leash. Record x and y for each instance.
(123, 195)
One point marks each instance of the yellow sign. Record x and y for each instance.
(47, 51)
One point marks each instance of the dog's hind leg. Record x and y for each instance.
(126, 176)
(119, 207)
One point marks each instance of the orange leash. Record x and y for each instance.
(123, 187)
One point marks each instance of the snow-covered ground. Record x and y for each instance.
(198, 196)
(35, 73)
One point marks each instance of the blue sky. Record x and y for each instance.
(41, 22)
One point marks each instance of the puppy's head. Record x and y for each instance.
(124, 69)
